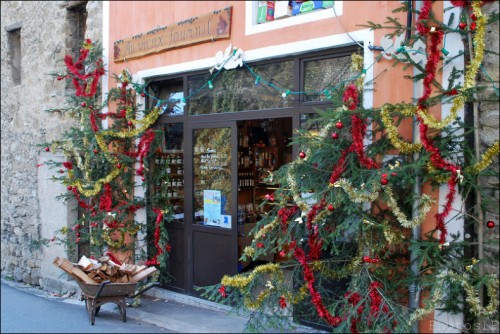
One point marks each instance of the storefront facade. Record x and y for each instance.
(223, 131)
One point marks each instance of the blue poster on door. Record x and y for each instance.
(212, 207)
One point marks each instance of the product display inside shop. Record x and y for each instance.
(262, 148)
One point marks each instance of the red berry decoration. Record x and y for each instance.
(384, 182)
(473, 26)
(462, 25)
(339, 125)
(330, 207)
(47, 149)
(83, 104)
(473, 17)
(70, 187)
(302, 155)
(335, 135)
(490, 224)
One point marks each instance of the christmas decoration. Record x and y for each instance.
(365, 246)
(490, 224)
(101, 178)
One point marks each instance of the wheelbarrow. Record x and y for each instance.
(96, 295)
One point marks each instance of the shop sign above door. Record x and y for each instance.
(209, 27)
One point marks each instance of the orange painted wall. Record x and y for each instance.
(128, 18)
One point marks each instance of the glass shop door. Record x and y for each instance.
(212, 195)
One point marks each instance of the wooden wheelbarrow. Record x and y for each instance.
(113, 289)
(107, 292)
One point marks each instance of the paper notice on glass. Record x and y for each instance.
(212, 207)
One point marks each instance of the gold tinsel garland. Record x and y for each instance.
(357, 195)
(241, 282)
(392, 131)
(106, 235)
(470, 74)
(471, 298)
(424, 207)
(146, 122)
(486, 159)
(265, 229)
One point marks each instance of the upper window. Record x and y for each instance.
(238, 89)
(262, 16)
(325, 74)
(292, 82)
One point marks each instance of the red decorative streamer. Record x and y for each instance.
(436, 158)
(315, 296)
(159, 218)
(106, 199)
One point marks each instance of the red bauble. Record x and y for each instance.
(70, 187)
(95, 151)
(473, 17)
(473, 26)
(384, 182)
(394, 174)
(83, 104)
(129, 123)
(330, 207)
(384, 175)
(118, 166)
(462, 25)
(143, 179)
(490, 224)
(366, 259)
(143, 94)
(339, 125)
(302, 155)
(335, 135)
(47, 149)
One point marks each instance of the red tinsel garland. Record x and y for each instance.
(143, 148)
(315, 296)
(159, 219)
(93, 122)
(80, 202)
(358, 132)
(351, 97)
(436, 158)
(285, 214)
(106, 199)
(315, 243)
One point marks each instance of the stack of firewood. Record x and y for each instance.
(96, 271)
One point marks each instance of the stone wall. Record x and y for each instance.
(34, 40)
(489, 133)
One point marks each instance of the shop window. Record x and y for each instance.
(325, 74)
(262, 16)
(14, 40)
(171, 92)
(238, 89)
